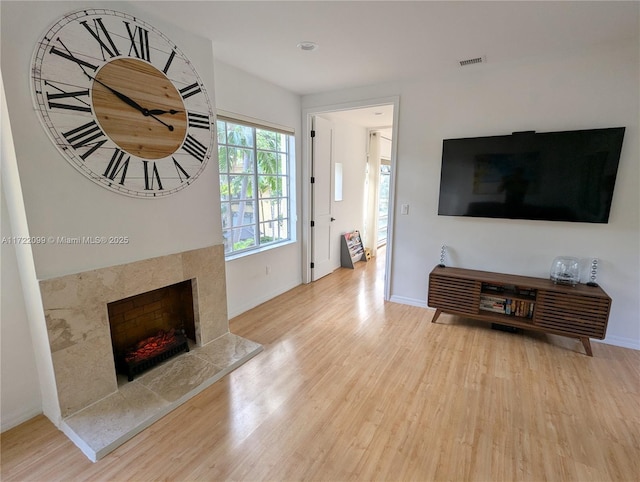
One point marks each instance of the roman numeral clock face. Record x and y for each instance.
(122, 103)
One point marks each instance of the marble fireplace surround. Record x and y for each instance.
(88, 389)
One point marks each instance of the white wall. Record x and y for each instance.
(564, 91)
(258, 277)
(20, 397)
(22, 313)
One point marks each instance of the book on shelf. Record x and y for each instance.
(493, 309)
(523, 309)
(506, 306)
(492, 299)
(494, 304)
(351, 250)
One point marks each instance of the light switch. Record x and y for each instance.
(404, 209)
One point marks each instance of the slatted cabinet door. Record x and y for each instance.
(453, 294)
(574, 314)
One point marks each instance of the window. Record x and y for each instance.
(383, 201)
(254, 185)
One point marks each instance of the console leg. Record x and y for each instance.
(437, 314)
(587, 345)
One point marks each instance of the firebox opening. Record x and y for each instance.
(142, 325)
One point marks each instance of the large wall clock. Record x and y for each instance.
(122, 103)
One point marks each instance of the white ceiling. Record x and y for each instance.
(370, 42)
(379, 117)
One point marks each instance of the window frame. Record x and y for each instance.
(288, 186)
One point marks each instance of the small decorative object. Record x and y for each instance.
(594, 272)
(443, 253)
(565, 270)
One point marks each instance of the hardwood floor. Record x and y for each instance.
(352, 388)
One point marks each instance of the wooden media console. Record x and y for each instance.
(529, 303)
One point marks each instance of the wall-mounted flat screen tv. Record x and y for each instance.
(553, 176)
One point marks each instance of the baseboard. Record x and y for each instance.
(621, 341)
(408, 301)
(16, 419)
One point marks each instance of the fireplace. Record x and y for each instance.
(76, 312)
(98, 409)
(151, 327)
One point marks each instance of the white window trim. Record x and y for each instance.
(253, 122)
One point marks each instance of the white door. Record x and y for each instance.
(321, 167)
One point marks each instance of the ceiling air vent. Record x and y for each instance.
(477, 60)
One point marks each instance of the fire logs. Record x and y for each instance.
(151, 351)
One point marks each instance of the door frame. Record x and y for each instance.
(307, 114)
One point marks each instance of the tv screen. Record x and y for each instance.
(554, 176)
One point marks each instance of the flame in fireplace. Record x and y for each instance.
(151, 346)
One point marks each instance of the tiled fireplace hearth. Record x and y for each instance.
(101, 410)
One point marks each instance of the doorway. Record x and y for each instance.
(369, 117)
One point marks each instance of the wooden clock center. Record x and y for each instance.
(139, 108)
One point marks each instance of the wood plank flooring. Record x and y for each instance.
(352, 388)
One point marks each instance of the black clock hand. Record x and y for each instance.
(122, 97)
(131, 102)
(160, 112)
(170, 127)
